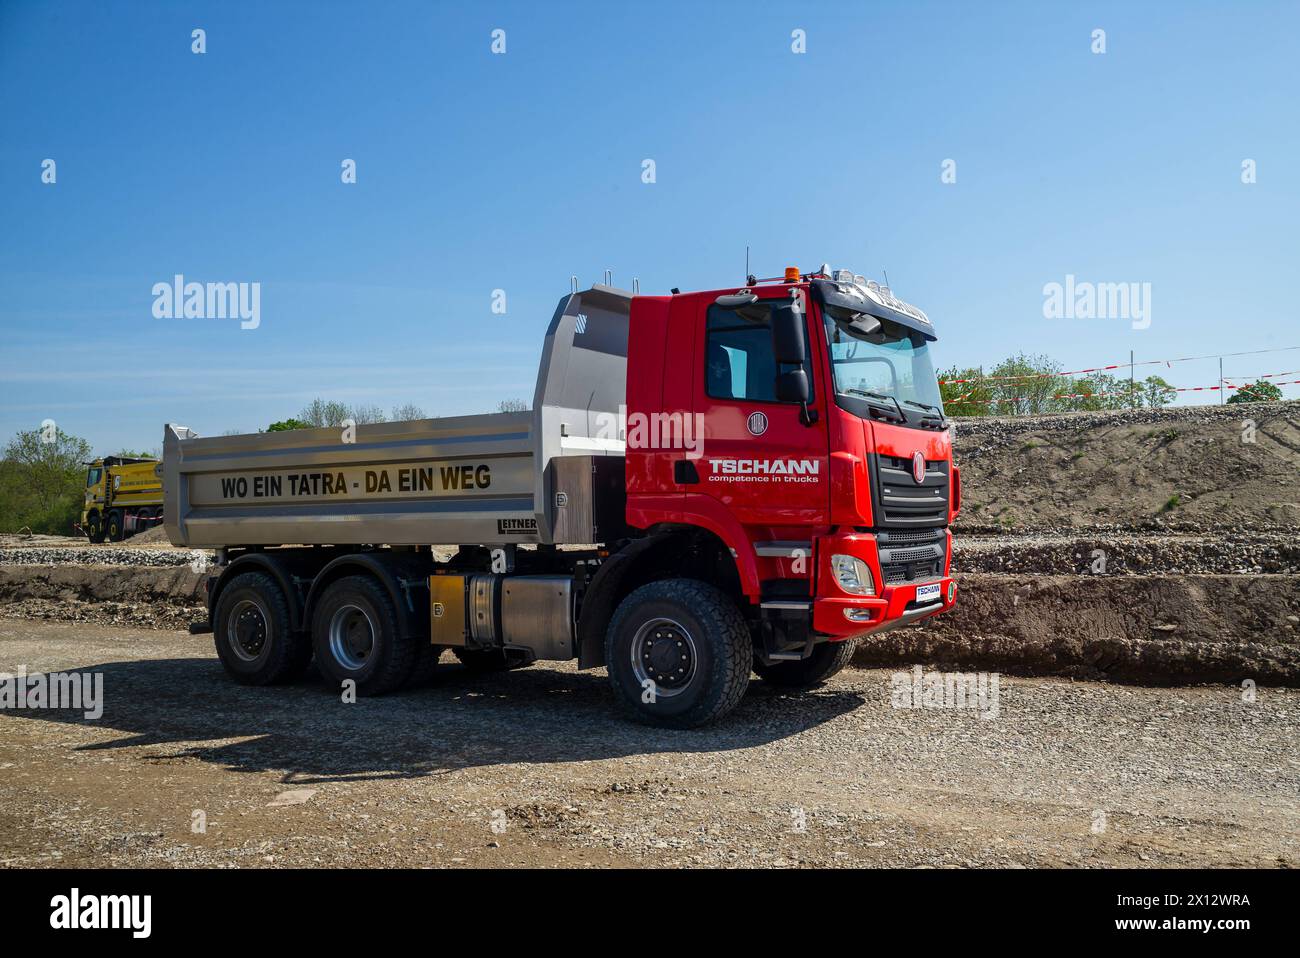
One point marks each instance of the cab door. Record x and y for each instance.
(765, 460)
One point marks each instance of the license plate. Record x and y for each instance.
(926, 592)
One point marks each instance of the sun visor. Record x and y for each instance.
(874, 300)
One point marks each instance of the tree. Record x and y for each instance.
(365, 415)
(1262, 391)
(320, 412)
(966, 398)
(512, 405)
(41, 482)
(284, 425)
(407, 412)
(1029, 384)
(1154, 392)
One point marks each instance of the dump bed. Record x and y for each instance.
(136, 483)
(493, 478)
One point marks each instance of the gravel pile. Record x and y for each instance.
(1126, 553)
(117, 556)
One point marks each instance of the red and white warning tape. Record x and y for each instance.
(1181, 389)
(1102, 369)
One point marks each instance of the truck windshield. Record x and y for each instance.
(92, 476)
(894, 362)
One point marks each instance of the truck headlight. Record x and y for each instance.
(853, 575)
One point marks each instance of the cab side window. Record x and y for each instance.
(738, 355)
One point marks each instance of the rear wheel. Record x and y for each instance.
(253, 632)
(358, 636)
(827, 658)
(678, 653)
(116, 529)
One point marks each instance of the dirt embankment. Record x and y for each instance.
(122, 595)
(1153, 629)
(1189, 469)
(1155, 546)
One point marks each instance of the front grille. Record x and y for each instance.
(899, 502)
(918, 555)
(900, 537)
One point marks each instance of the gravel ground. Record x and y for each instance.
(533, 768)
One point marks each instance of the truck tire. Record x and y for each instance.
(678, 653)
(252, 632)
(357, 636)
(95, 528)
(827, 658)
(492, 660)
(116, 528)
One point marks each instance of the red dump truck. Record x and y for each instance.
(707, 485)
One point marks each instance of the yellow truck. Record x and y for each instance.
(123, 496)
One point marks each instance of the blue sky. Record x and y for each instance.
(478, 171)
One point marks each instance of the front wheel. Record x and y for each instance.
(678, 653)
(827, 658)
(116, 527)
(95, 528)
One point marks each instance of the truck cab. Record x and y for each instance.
(823, 458)
(123, 496)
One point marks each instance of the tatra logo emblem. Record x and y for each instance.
(756, 424)
(918, 467)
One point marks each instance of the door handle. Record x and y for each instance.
(685, 473)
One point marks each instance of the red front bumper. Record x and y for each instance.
(891, 606)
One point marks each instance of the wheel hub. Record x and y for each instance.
(352, 637)
(247, 630)
(663, 652)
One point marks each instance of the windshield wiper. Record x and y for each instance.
(897, 409)
(935, 419)
(921, 405)
(866, 392)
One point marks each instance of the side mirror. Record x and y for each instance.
(792, 386)
(788, 342)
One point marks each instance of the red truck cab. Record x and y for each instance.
(799, 422)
